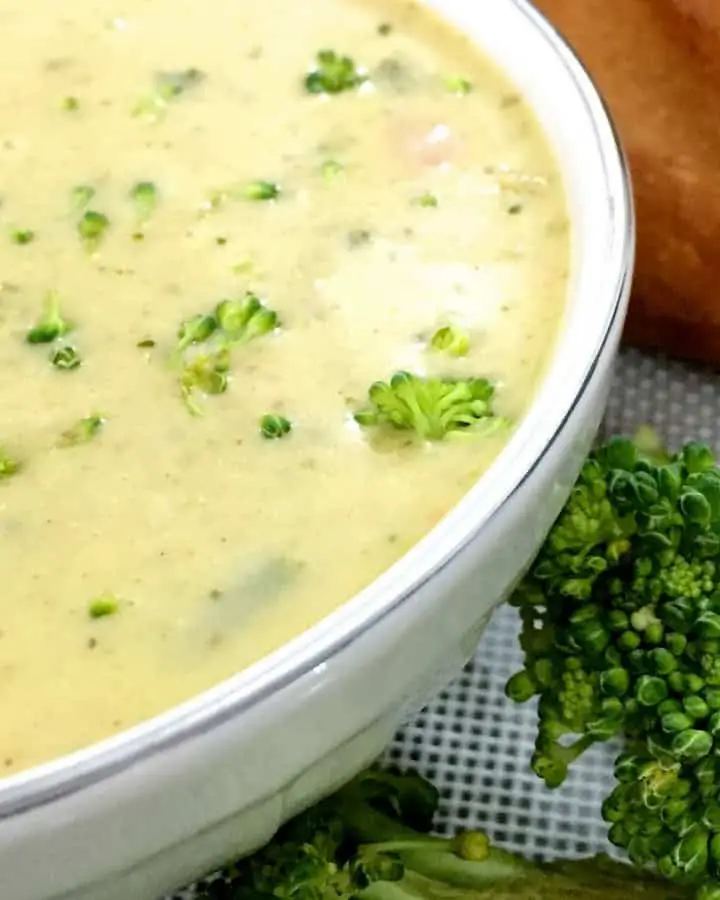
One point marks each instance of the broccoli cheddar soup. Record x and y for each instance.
(277, 281)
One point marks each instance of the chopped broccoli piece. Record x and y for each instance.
(168, 87)
(8, 465)
(51, 325)
(81, 195)
(66, 358)
(451, 340)
(621, 635)
(92, 228)
(82, 432)
(257, 191)
(334, 74)
(427, 201)
(245, 319)
(196, 330)
(456, 84)
(331, 169)
(371, 841)
(432, 407)
(103, 606)
(261, 190)
(22, 236)
(144, 196)
(206, 373)
(274, 426)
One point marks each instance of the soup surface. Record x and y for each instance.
(157, 158)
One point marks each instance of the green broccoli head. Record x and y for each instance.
(621, 636)
(431, 407)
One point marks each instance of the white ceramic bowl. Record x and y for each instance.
(154, 807)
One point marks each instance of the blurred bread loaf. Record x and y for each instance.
(657, 63)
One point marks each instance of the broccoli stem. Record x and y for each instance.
(469, 863)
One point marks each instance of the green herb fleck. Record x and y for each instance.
(456, 84)
(451, 340)
(66, 358)
(331, 170)
(427, 201)
(334, 74)
(146, 344)
(103, 606)
(273, 426)
(384, 29)
(91, 228)
(514, 209)
(22, 236)
(82, 432)
(168, 87)
(358, 237)
(51, 325)
(70, 104)
(81, 195)
(144, 196)
(8, 465)
(261, 190)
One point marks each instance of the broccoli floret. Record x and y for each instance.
(371, 841)
(206, 373)
(274, 426)
(624, 597)
(334, 74)
(195, 330)
(144, 196)
(51, 325)
(66, 358)
(92, 228)
(245, 319)
(82, 432)
(211, 338)
(432, 407)
(451, 340)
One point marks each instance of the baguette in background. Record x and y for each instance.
(657, 63)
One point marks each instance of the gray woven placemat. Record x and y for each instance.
(473, 742)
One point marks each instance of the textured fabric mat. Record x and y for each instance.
(474, 743)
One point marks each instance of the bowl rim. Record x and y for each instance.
(68, 774)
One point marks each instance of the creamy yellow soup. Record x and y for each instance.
(156, 158)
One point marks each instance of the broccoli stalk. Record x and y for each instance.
(432, 407)
(371, 841)
(621, 635)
